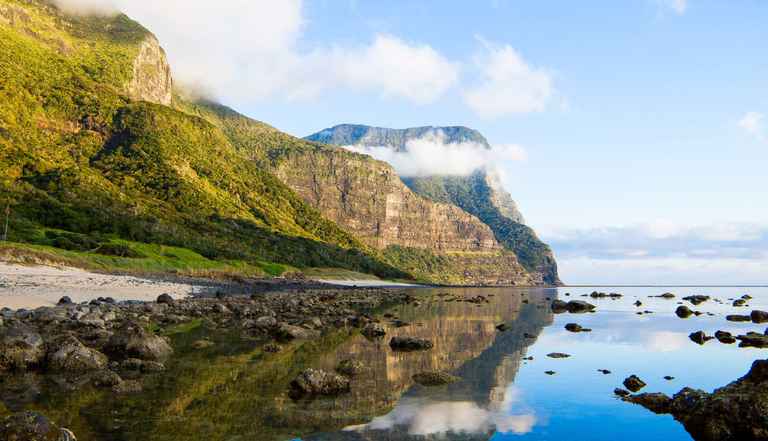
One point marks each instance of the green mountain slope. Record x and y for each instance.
(83, 151)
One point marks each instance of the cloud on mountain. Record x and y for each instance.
(432, 155)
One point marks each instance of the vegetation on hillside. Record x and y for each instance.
(76, 155)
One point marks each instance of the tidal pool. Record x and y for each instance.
(233, 391)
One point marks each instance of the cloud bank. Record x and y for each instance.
(752, 124)
(431, 155)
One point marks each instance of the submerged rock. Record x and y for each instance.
(133, 341)
(373, 330)
(434, 378)
(68, 354)
(32, 426)
(350, 367)
(21, 347)
(410, 344)
(736, 412)
(319, 382)
(634, 383)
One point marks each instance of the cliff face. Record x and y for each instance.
(480, 193)
(151, 80)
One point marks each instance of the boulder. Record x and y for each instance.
(32, 426)
(286, 332)
(319, 382)
(21, 347)
(133, 341)
(736, 412)
(753, 340)
(557, 355)
(759, 316)
(165, 299)
(725, 337)
(68, 354)
(373, 330)
(738, 318)
(699, 337)
(683, 311)
(434, 378)
(634, 383)
(350, 367)
(579, 306)
(410, 344)
(696, 299)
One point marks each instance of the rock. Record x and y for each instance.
(373, 330)
(550, 372)
(746, 297)
(739, 302)
(638, 303)
(738, 318)
(699, 337)
(350, 367)
(68, 354)
(265, 322)
(725, 337)
(579, 306)
(557, 355)
(736, 412)
(32, 426)
(754, 340)
(655, 402)
(66, 300)
(621, 392)
(667, 295)
(133, 341)
(696, 299)
(669, 377)
(165, 299)
(574, 327)
(127, 387)
(202, 344)
(288, 332)
(434, 378)
(409, 344)
(21, 348)
(272, 348)
(602, 295)
(319, 382)
(634, 383)
(503, 327)
(604, 371)
(759, 316)
(105, 378)
(559, 306)
(683, 311)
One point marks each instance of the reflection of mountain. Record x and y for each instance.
(466, 344)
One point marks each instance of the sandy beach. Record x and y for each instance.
(23, 286)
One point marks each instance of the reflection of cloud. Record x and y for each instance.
(665, 341)
(425, 418)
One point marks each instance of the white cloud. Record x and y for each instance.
(510, 85)
(249, 50)
(678, 7)
(431, 155)
(100, 7)
(752, 123)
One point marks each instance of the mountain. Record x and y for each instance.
(480, 193)
(96, 150)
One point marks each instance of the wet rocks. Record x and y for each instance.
(350, 367)
(573, 306)
(550, 372)
(739, 302)
(503, 327)
(696, 299)
(575, 327)
(319, 382)
(669, 377)
(602, 295)
(666, 295)
(725, 337)
(66, 300)
(21, 347)
(736, 412)
(32, 426)
(634, 383)
(68, 354)
(127, 387)
(434, 378)
(604, 371)
(272, 348)
(683, 311)
(558, 355)
(165, 299)
(286, 332)
(638, 303)
(699, 337)
(410, 344)
(753, 340)
(373, 330)
(133, 341)
(759, 316)
(621, 392)
(738, 318)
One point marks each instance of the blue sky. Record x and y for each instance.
(641, 119)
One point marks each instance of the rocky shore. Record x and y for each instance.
(108, 344)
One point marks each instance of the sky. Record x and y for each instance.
(638, 127)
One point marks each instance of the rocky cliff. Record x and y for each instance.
(480, 193)
(151, 80)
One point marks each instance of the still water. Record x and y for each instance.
(236, 393)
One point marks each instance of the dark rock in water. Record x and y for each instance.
(667, 295)
(683, 311)
(503, 327)
(373, 330)
(105, 378)
(559, 306)
(759, 316)
(579, 306)
(350, 367)
(434, 378)
(739, 302)
(638, 303)
(66, 300)
(409, 344)
(725, 337)
(621, 392)
(558, 355)
(604, 371)
(746, 297)
(699, 337)
(68, 354)
(754, 340)
(133, 341)
(602, 295)
(736, 412)
(272, 348)
(669, 377)
(319, 382)
(634, 383)
(32, 426)
(573, 327)
(286, 332)
(550, 372)
(165, 299)
(21, 347)
(738, 318)
(697, 299)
